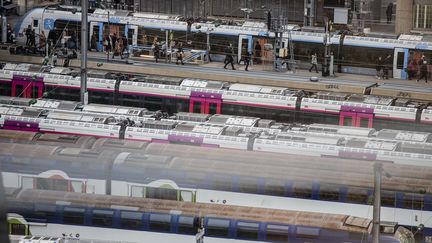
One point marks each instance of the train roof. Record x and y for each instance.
(306, 219)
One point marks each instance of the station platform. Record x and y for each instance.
(258, 75)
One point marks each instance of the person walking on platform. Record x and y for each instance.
(229, 58)
(156, 51)
(314, 62)
(423, 72)
(379, 67)
(247, 59)
(180, 55)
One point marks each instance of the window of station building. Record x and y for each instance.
(186, 225)
(161, 193)
(217, 227)
(247, 230)
(130, 220)
(160, 222)
(329, 193)
(73, 216)
(17, 229)
(277, 233)
(102, 218)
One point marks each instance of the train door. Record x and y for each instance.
(400, 63)
(131, 32)
(244, 44)
(356, 116)
(205, 103)
(96, 28)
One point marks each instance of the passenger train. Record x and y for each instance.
(117, 219)
(214, 97)
(142, 28)
(276, 184)
(233, 132)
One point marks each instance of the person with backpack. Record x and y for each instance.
(180, 55)
(314, 62)
(423, 72)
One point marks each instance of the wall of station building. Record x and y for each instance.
(293, 9)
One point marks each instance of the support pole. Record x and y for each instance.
(4, 231)
(84, 44)
(166, 46)
(377, 203)
(4, 28)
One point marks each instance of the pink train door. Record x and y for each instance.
(356, 116)
(26, 86)
(205, 103)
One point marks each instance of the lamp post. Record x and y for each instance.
(84, 44)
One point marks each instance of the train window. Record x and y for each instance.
(17, 229)
(277, 233)
(247, 185)
(222, 183)
(130, 220)
(400, 60)
(274, 188)
(44, 211)
(247, 230)
(161, 193)
(307, 232)
(302, 190)
(160, 222)
(388, 199)
(217, 227)
(27, 183)
(73, 216)
(52, 184)
(328, 193)
(185, 225)
(35, 23)
(102, 218)
(413, 202)
(357, 196)
(186, 196)
(137, 191)
(76, 186)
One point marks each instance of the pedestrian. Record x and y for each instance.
(93, 42)
(32, 38)
(156, 52)
(389, 13)
(423, 72)
(42, 41)
(229, 58)
(386, 67)
(247, 59)
(8, 33)
(180, 55)
(54, 59)
(378, 67)
(28, 34)
(114, 44)
(411, 69)
(314, 62)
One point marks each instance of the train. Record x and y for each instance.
(357, 54)
(233, 132)
(113, 219)
(215, 97)
(244, 182)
